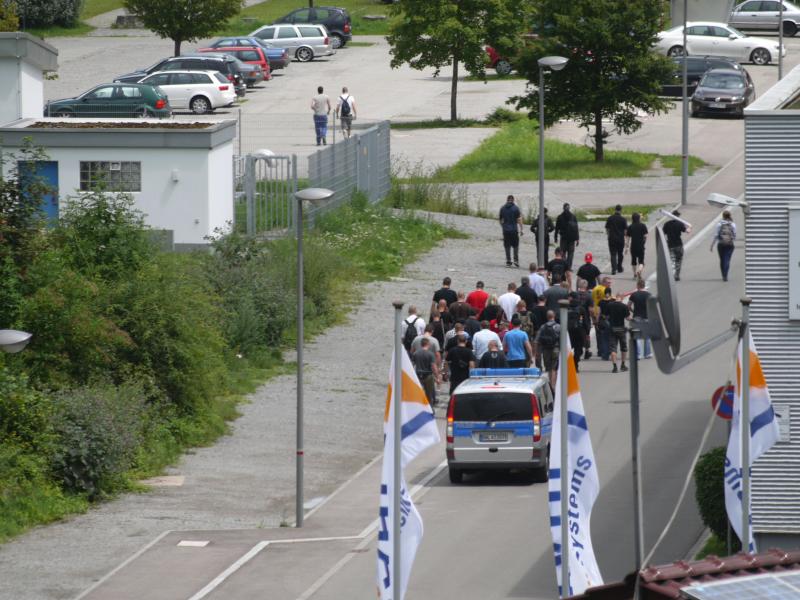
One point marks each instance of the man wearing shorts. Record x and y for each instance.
(617, 315)
(547, 346)
(637, 237)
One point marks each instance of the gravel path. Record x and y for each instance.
(247, 479)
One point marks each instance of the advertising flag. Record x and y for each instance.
(419, 431)
(583, 487)
(764, 433)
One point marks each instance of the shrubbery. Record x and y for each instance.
(136, 352)
(710, 493)
(47, 13)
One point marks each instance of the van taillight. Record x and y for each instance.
(223, 88)
(451, 407)
(160, 104)
(537, 419)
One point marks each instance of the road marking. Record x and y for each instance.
(367, 535)
(217, 581)
(193, 543)
(121, 566)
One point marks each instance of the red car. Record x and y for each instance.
(500, 64)
(252, 55)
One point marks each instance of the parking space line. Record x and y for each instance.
(217, 581)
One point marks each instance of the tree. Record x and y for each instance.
(453, 32)
(8, 17)
(183, 20)
(612, 72)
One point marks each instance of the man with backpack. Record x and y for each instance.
(411, 327)
(724, 239)
(346, 111)
(567, 228)
(576, 323)
(546, 346)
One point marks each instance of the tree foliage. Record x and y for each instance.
(612, 73)
(8, 16)
(183, 20)
(47, 13)
(454, 32)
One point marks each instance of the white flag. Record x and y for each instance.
(763, 434)
(583, 482)
(419, 431)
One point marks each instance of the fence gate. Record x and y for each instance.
(264, 188)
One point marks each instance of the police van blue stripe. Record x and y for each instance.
(524, 428)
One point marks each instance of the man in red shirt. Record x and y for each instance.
(477, 299)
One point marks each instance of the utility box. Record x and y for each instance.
(24, 60)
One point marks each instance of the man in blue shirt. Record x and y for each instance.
(511, 223)
(517, 345)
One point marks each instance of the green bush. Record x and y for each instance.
(99, 429)
(710, 492)
(47, 13)
(25, 415)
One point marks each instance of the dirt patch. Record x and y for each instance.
(115, 125)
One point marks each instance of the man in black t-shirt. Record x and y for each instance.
(567, 228)
(617, 315)
(548, 227)
(637, 236)
(637, 303)
(525, 291)
(673, 230)
(459, 361)
(558, 269)
(493, 358)
(588, 271)
(444, 293)
(511, 224)
(616, 226)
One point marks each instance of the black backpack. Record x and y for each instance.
(548, 338)
(573, 318)
(410, 335)
(345, 110)
(725, 234)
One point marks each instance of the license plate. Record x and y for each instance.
(493, 436)
(716, 105)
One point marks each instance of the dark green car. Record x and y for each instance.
(113, 100)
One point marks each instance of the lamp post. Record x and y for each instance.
(556, 63)
(684, 116)
(13, 341)
(780, 40)
(316, 196)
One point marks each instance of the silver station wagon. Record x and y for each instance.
(500, 419)
(304, 42)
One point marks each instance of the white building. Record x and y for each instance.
(23, 61)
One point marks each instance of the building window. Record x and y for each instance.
(123, 176)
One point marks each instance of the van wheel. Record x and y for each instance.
(304, 54)
(456, 475)
(542, 474)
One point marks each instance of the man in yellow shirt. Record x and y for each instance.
(600, 329)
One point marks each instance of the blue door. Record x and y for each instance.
(46, 173)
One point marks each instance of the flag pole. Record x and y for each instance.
(564, 475)
(638, 536)
(397, 388)
(744, 424)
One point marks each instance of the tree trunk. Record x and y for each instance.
(177, 48)
(598, 136)
(454, 91)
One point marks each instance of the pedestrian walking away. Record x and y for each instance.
(546, 346)
(525, 291)
(724, 239)
(673, 229)
(549, 227)
(478, 298)
(617, 315)
(426, 369)
(517, 346)
(508, 301)
(480, 341)
(445, 293)
(321, 106)
(346, 111)
(567, 229)
(411, 327)
(460, 360)
(576, 327)
(616, 228)
(637, 236)
(538, 281)
(588, 271)
(559, 270)
(493, 358)
(511, 224)
(637, 304)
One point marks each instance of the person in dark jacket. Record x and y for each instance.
(548, 228)
(616, 227)
(567, 229)
(493, 358)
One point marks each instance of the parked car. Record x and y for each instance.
(251, 55)
(114, 101)
(198, 91)
(192, 62)
(723, 91)
(717, 39)
(500, 64)
(304, 42)
(252, 74)
(278, 57)
(696, 67)
(764, 15)
(336, 21)
(500, 419)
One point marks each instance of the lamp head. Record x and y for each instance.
(723, 201)
(13, 341)
(317, 196)
(265, 154)
(556, 63)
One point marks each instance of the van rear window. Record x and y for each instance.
(504, 406)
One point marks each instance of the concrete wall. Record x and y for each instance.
(9, 91)
(32, 91)
(220, 186)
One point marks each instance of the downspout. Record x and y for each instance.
(19, 79)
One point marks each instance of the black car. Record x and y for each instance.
(193, 62)
(336, 21)
(696, 67)
(723, 91)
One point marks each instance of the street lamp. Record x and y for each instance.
(317, 196)
(723, 201)
(685, 115)
(556, 63)
(13, 341)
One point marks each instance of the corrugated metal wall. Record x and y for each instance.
(772, 184)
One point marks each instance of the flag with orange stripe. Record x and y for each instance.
(583, 487)
(764, 433)
(418, 432)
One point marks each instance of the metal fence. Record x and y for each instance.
(265, 183)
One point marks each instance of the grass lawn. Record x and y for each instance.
(512, 155)
(49, 32)
(266, 12)
(92, 8)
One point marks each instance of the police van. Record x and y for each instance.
(500, 419)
